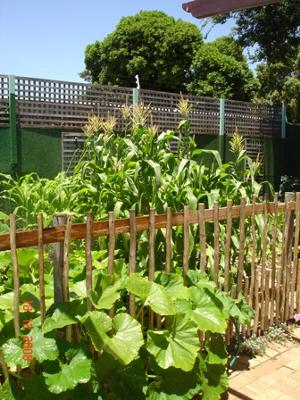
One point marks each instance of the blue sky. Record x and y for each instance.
(47, 38)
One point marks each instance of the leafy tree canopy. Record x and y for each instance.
(151, 44)
(274, 30)
(219, 69)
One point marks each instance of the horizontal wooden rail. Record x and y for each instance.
(101, 228)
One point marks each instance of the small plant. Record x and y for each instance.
(278, 334)
(254, 346)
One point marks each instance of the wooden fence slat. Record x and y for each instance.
(242, 246)
(294, 265)
(169, 240)
(57, 234)
(16, 278)
(278, 295)
(151, 270)
(202, 236)
(253, 253)
(111, 242)
(264, 243)
(296, 254)
(274, 255)
(88, 256)
(256, 306)
(40, 224)
(132, 256)
(58, 258)
(186, 240)
(267, 300)
(216, 244)
(66, 258)
(227, 245)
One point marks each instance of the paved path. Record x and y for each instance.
(275, 376)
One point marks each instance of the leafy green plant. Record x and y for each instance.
(168, 361)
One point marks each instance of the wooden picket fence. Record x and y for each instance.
(265, 269)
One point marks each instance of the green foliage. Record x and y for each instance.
(219, 69)
(152, 44)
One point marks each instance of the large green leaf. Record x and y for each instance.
(176, 347)
(70, 375)
(173, 284)
(121, 337)
(207, 312)
(8, 391)
(13, 354)
(43, 348)
(62, 315)
(107, 298)
(152, 294)
(126, 382)
(216, 350)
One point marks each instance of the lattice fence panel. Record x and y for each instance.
(45, 103)
(72, 146)
(3, 100)
(204, 115)
(252, 119)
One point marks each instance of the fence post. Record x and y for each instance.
(222, 129)
(13, 144)
(135, 96)
(58, 261)
(283, 139)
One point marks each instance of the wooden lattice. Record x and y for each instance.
(3, 100)
(46, 103)
(252, 119)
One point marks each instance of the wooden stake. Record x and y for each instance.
(112, 242)
(267, 299)
(186, 240)
(132, 256)
(216, 244)
(40, 224)
(253, 253)
(88, 256)
(227, 245)
(169, 240)
(151, 271)
(264, 244)
(66, 258)
(202, 235)
(295, 258)
(16, 281)
(256, 308)
(274, 256)
(242, 246)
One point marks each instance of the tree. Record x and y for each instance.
(151, 44)
(274, 33)
(273, 30)
(219, 69)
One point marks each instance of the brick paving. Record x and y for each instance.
(275, 376)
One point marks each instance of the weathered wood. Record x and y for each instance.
(242, 246)
(58, 258)
(132, 256)
(294, 264)
(202, 236)
(253, 253)
(56, 234)
(111, 242)
(267, 300)
(16, 278)
(264, 243)
(169, 240)
(151, 269)
(296, 254)
(216, 244)
(274, 255)
(278, 295)
(40, 224)
(186, 240)
(67, 242)
(227, 245)
(88, 257)
(256, 306)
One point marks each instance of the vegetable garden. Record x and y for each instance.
(133, 293)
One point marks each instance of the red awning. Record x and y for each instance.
(207, 8)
